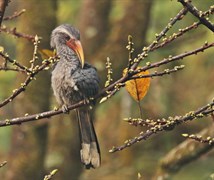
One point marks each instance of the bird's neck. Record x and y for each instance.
(68, 56)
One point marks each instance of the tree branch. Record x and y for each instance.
(169, 125)
(11, 69)
(14, 62)
(175, 58)
(155, 74)
(14, 32)
(182, 31)
(197, 14)
(15, 15)
(113, 88)
(159, 36)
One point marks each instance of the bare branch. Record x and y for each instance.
(176, 35)
(14, 32)
(14, 62)
(182, 31)
(156, 74)
(171, 123)
(38, 116)
(15, 15)
(159, 36)
(11, 69)
(197, 14)
(176, 58)
(199, 138)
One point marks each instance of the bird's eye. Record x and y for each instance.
(67, 37)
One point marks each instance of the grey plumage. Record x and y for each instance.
(71, 83)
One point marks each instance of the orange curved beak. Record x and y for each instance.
(76, 46)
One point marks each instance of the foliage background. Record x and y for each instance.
(170, 95)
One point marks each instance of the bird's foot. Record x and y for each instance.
(65, 109)
(86, 101)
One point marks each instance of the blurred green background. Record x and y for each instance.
(33, 149)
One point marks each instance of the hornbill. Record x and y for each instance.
(74, 80)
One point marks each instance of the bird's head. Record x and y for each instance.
(66, 35)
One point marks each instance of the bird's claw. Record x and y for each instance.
(65, 109)
(86, 101)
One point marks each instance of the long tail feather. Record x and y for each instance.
(90, 151)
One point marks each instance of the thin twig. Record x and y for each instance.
(155, 74)
(175, 58)
(11, 69)
(208, 140)
(197, 14)
(176, 35)
(15, 15)
(35, 51)
(14, 62)
(159, 36)
(14, 32)
(182, 31)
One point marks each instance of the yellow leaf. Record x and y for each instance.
(46, 53)
(138, 88)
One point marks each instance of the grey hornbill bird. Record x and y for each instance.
(74, 80)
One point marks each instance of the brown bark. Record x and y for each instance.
(3, 4)
(94, 24)
(28, 148)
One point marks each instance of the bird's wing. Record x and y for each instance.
(87, 80)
